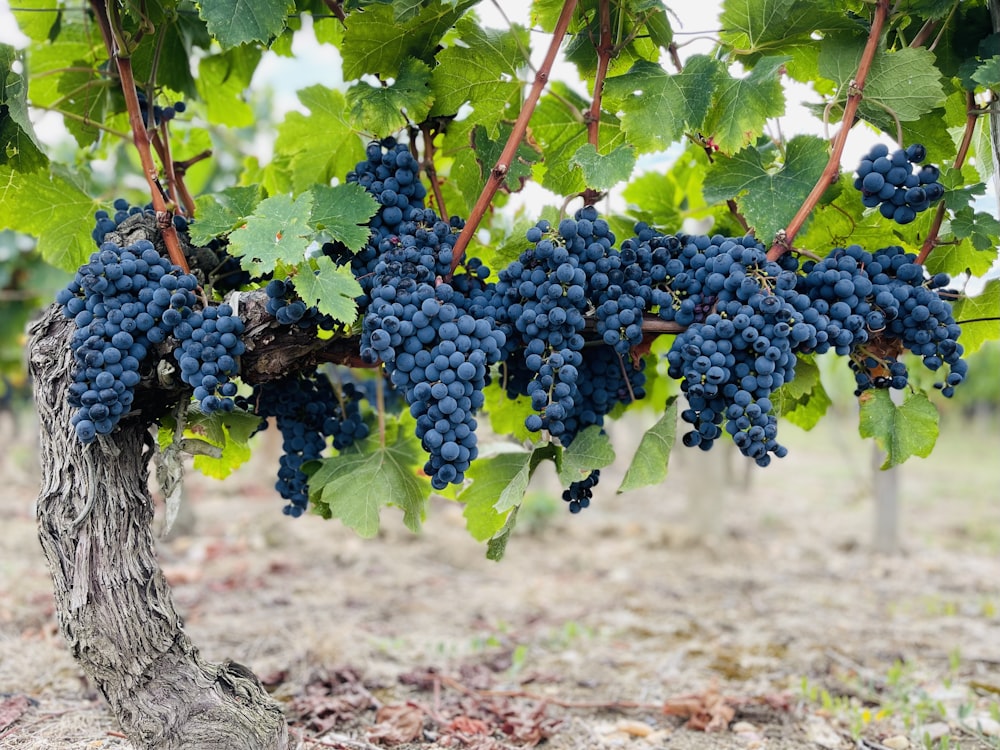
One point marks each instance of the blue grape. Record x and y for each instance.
(888, 182)
(310, 413)
(119, 323)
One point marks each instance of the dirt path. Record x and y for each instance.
(762, 607)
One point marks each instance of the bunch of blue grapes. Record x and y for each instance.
(887, 181)
(208, 351)
(878, 304)
(579, 494)
(288, 309)
(435, 350)
(106, 221)
(310, 414)
(391, 174)
(731, 362)
(160, 114)
(123, 302)
(544, 296)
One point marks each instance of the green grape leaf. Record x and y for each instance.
(64, 76)
(355, 485)
(556, 130)
(18, 142)
(276, 232)
(666, 199)
(496, 547)
(956, 258)
(507, 415)
(483, 71)
(604, 172)
(488, 153)
(376, 44)
(978, 227)
(987, 74)
(978, 317)
(303, 145)
(590, 450)
(904, 82)
(649, 464)
(741, 106)
(343, 211)
(329, 287)
(901, 431)
(768, 199)
(498, 485)
(382, 110)
(803, 400)
(656, 107)
(404, 10)
(166, 56)
(758, 26)
(236, 22)
(37, 19)
(222, 82)
(959, 193)
(231, 432)
(220, 213)
(50, 206)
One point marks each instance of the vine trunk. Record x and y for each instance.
(113, 603)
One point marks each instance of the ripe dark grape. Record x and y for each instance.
(876, 305)
(732, 360)
(389, 172)
(545, 295)
(160, 114)
(283, 303)
(125, 301)
(888, 182)
(310, 413)
(579, 494)
(435, 340)
(209, 350)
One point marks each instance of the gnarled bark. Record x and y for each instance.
(114, 606)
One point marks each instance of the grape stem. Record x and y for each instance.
(784, 243)
(140, 136)
(931, 240)
(180, 170)
(431, 171)
(605, 49)
(337, 9)
(499, 171)
(735, 211)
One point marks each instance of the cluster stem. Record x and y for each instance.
(931, 240)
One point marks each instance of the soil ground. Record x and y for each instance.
(750, 603)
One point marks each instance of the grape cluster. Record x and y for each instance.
(284, 304)
(105, 221)
(209, 351)
(731, 362)
(160, 114)
(579, 494)
(887, 181)
(436, 343)
(877, 304)
(123, 301)
(543, 297)
(309, 413)
(391, 174)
